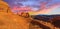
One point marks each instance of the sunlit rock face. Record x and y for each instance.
(8, 20)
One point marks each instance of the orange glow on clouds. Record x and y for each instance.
(21, 8)
(45, 11)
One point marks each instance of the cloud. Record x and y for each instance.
(34, 4)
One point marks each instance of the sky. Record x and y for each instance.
(35, 7)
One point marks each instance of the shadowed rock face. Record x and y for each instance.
(36, 25)
(56, 23)
(25, 14)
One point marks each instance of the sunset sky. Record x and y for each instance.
(35, 7)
